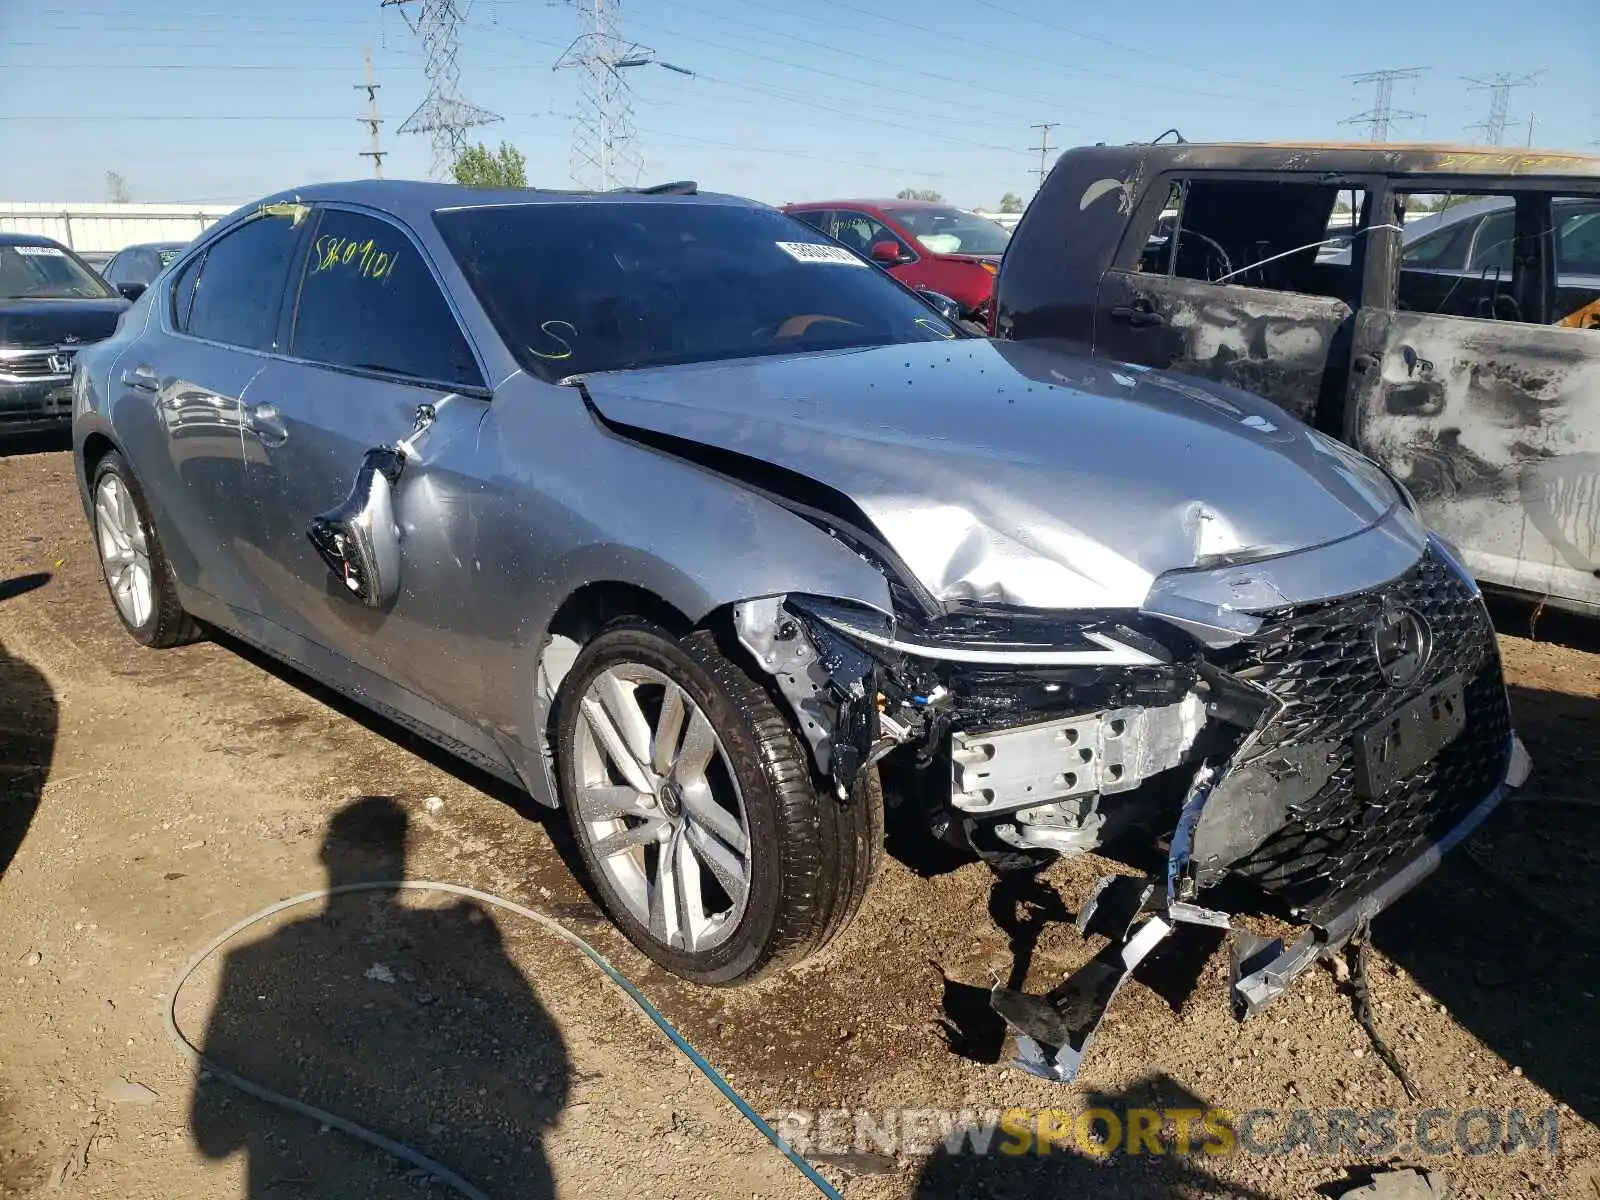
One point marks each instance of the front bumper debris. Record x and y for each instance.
(1053, 1031)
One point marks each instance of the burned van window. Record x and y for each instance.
(1156, 258)
(1284, 236)
(1458, 257)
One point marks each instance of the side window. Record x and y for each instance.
(1442, 248)
(183, 292)
(1283, 235)
(239, 293)
(860, 232)
(112, 271)
(818, 218)
(368, 300)
(1496, 237)
(1578, 238)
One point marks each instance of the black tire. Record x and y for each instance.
(811, 857)
(167, 623)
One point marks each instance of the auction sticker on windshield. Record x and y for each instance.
(815, 252)
(40, 251)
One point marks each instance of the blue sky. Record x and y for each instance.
(212, 100)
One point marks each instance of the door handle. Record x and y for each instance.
(1138, 314)
(264, 421)
(141, 378)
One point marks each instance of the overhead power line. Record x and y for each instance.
(1383, 114)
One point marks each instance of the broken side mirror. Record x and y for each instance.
(888, 254)
(358, 539)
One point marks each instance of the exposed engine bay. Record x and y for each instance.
(1329, 757)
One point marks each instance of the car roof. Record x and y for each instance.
(415, 201)
(28, 239)
(1413, 158)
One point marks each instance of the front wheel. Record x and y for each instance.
(693, 807)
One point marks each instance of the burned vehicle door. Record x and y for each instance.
(1233, 289)
(1475, 383)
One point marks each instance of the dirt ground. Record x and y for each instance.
(149, 800)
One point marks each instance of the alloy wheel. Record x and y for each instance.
(660, 807)
(124, 551)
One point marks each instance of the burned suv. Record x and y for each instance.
(1435, 307)
(684, 517)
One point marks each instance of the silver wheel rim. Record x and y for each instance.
(124, 551)
(660, 807)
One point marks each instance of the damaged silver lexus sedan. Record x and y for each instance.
(697, 526)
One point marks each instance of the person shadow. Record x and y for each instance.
(409, 1020)
(29, 717)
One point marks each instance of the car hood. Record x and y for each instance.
(51, 322)
(1005, 473)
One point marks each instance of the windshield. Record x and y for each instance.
(581, 287)
(951, 231)
(46, 273)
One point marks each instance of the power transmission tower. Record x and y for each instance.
(1382, 114)
(1044, 149)
(444, 115)
(1499, 86)
(372, 120)
(603, 150)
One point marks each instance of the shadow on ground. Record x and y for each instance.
(1507, 933)
(411, 1021)
(35, 443)
(28, 721)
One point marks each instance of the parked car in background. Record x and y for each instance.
(684, 517)
(132, 268)
(96, 258)
(921, 243)
(1459, 350)
(52, 305)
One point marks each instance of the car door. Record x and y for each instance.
(373, 340)
(183, 396)
(1237, 293)
(1486, 411)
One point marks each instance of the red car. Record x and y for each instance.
(922, 243)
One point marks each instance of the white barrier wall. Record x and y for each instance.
(110, 227)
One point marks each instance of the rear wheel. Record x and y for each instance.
(132, 561)
(693, 806)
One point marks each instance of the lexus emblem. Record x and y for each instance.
(1401, 642)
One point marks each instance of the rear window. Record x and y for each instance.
(579, 287)
(46, 273)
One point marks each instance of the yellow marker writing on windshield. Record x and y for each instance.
(548, 329)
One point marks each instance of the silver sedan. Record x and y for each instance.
(678, 514)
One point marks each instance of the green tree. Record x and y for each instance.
(918, 194)
(479, 167)
(1010, 203)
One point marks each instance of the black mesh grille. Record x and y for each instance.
(1319, 660)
